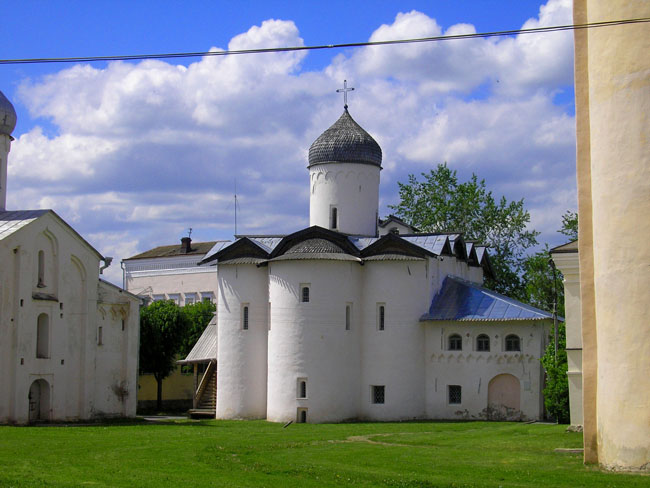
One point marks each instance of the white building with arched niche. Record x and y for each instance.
(340, 321)
(68, 340)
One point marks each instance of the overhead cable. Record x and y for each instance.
(479, 35)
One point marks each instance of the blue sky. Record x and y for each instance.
(132, 154)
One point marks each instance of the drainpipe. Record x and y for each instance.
(107, 262)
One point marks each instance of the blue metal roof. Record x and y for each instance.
(462, 300)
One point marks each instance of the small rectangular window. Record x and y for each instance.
(304, 292)
(302, 388)
(100, 336)
(348, 316)
(207, 296)
(269, 318)
(454, 394)
(244, 317)
(381, 316)
(190, 298)
(378, 394)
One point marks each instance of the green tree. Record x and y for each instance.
(556, 389)
(570, 225)
(440, 203)
(162, 325)
(197, 317)
(542, 282)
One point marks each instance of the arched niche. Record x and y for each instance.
(39, 401)
(45, 275)
(504, 393)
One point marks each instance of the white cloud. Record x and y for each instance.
(145, 150)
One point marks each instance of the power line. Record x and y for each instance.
(479, 35)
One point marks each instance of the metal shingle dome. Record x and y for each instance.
(345, 142)
(7, 116)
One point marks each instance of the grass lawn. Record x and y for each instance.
(257, 453)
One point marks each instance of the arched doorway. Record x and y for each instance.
(39, 401)
(504, 394)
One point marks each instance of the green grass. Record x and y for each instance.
(258, 453)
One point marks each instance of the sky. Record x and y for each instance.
(133, 154)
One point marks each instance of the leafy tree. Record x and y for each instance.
(162, 325)
(556, 389)
(541, 283)
(197, 317)
(440, 203)
(570, 225)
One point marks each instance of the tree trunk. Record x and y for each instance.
(159, 393)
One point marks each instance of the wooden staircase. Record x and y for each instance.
(205, 399)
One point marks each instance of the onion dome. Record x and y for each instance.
(345, 142)
(7, 116)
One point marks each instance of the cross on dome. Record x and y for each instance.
(345, 91)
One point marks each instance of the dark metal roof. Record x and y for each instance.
(345, 142)
(462, 300)
(7, 116)
(391, 218)
(315, 245)
(175, 250)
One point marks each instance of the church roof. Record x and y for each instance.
(7, 116)
(345, 142)
(12, 221)
(393, 219)
(462, 300)
(205, 348)
(319, 243)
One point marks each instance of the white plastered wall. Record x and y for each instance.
(242, 354)
(393, 357)
(5, 147)
(70, 368)
(353, 189)
(309, 340)
(568, 264)
(472, 370)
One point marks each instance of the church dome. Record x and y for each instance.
(345, 142)
(7, 116)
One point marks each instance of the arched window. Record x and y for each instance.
(43, 336)
(513, 343)
(304, 294)
(244, 318)
(334, 218)
(41, 270)
(482, 343)
(455, 342)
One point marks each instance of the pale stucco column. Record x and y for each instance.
(612, 107)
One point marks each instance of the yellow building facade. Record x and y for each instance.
(612, 77)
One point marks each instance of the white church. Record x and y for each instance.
(68, 339)
(355, 318)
